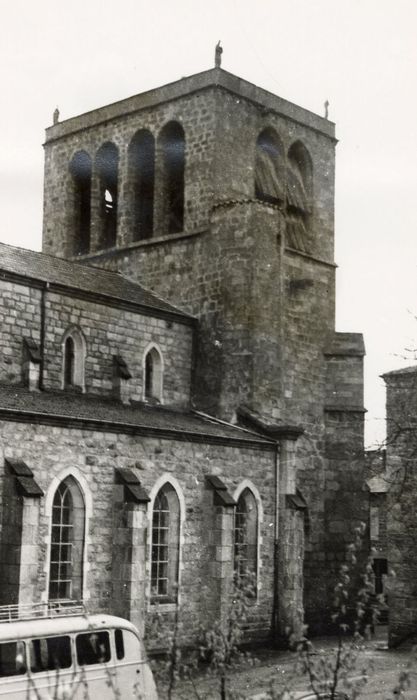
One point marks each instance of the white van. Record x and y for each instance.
(56, 652)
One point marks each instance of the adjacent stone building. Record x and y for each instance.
(213, 424)
(401, 388)
(378, 484)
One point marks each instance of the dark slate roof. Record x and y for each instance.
(84, 278)
(97, 413)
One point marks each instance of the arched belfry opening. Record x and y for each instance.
(299, 197)
(269, 168)
(80, 169)
(142, 183)
(172, 153)
(107, 161)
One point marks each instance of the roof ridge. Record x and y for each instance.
(82, 265)
(236, 426)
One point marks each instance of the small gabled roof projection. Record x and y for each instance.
(24, 478)
(134, 491)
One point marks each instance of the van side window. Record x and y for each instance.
(132, 647)
(50, 654)
(93, 648)
(119, 644)
(12, 659)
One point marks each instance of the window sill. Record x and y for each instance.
(163, 605)
(73, 389)
(152, 401)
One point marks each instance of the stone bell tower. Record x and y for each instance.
(219, 196)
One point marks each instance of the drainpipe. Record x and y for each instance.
(42, 334)
(275, 619)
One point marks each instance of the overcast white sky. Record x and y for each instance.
(361, 55)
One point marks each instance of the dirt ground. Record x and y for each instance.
(383, 667)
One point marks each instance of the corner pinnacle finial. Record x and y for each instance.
(218, 55)
(56, 116)
(326, 109)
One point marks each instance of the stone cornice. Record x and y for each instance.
(214, 78)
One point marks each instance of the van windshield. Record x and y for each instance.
(12, 659)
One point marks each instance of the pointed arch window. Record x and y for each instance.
(73, 347)
(153, 375)
(165, 545)
(67, 542)
(246, 537)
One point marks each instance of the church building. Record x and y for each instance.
(176, 407)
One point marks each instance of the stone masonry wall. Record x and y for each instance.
(195, 113)
(11, 539)
(107, 330)
(232, 278)
(401, 503)
(346, 498)
(307, 323)
(239, 123)
(19, 319)
(266, 316)
(291, 609)
(218, 165)
(93, 456)
(346, 494)
(111, 331)
(260, 309)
